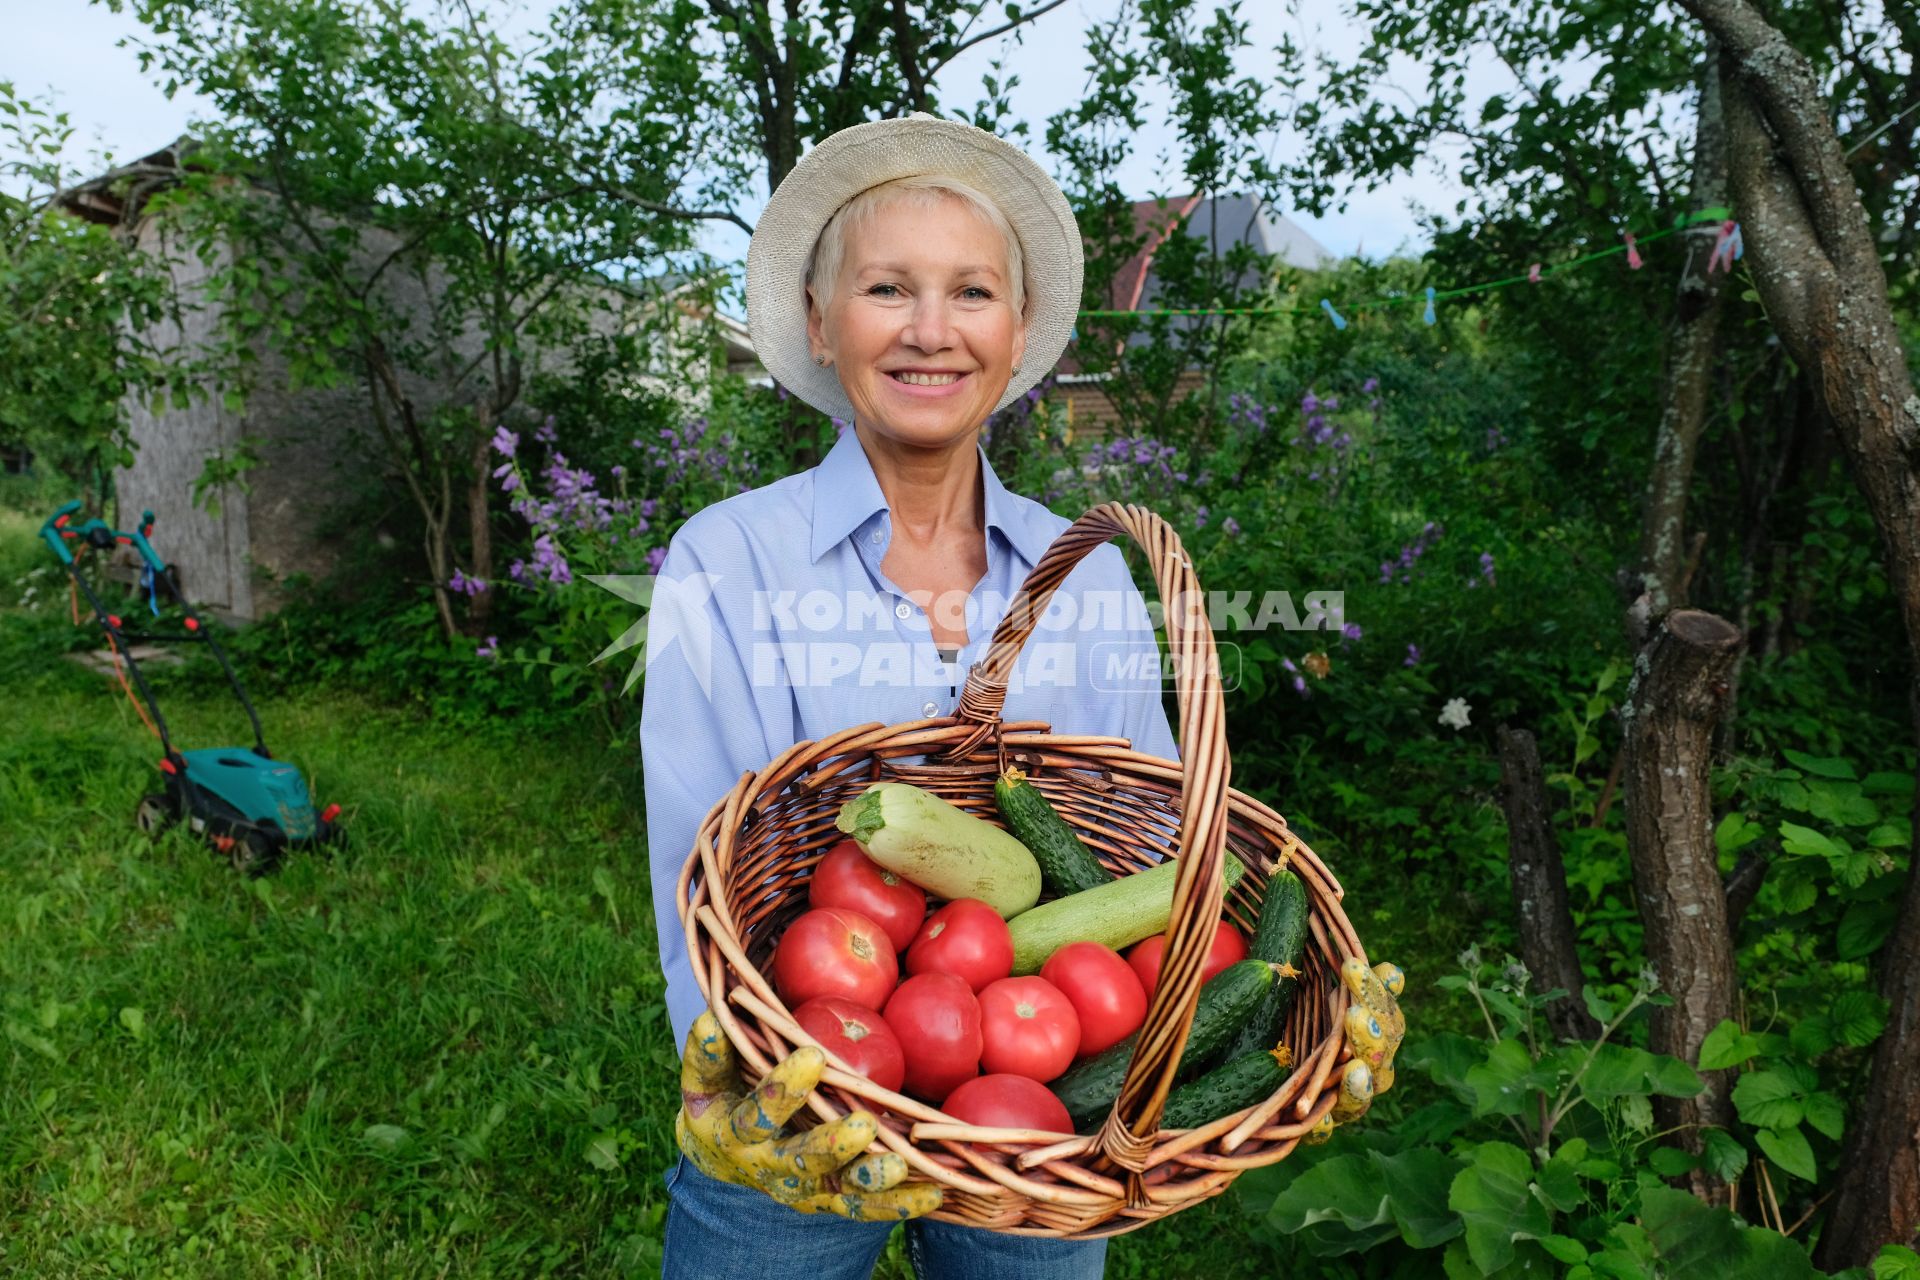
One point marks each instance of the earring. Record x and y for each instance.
(1015, 369)
(821, 361)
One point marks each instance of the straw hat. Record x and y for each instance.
(864, 156)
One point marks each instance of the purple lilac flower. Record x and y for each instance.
(1413, 656)
(1411, 553)
(545, 433)
(1300, 687)
(1370, 386)
(1231, 526)
(466, 586)
(549, 563)
(1200, 518)
(655, 558)
(1350, 632)
(1288, 664)
(504, 442)
(1486, 567)
(490, 650)
(1309, 403)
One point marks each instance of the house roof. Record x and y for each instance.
(115, 197)
(1238, 218)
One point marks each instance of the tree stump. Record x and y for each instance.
(1672, 708)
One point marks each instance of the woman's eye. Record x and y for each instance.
(979, 294)
(885, 290)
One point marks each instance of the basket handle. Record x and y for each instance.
(1127, 1137)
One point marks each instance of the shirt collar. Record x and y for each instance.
(846, 494)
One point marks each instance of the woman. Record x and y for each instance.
(909, 276)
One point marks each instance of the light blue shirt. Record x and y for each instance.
(794, 633)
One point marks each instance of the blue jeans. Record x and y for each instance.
(717, 1231)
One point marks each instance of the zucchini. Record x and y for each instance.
(1066, 865)
(1089, 1088)
(943, 849)
(1116, 914)
(1234, 1085)
(1279, 937)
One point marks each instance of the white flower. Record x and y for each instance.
(1455, 713)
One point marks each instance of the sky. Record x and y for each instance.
(70, 50)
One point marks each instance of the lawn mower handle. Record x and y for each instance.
(55, 529)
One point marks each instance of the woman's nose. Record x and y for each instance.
(929, 326)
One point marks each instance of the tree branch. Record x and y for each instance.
(984, 36)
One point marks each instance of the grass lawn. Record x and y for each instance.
(441, 1053)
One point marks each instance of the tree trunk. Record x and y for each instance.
(1540, 888)
(479, 526)
(1689, 374)
(1671, 708)
(1819, 273)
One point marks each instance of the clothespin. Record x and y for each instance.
(1429, 316)
(1722, 255)
(1339, 321)
(1633, 252)
(1533, 274)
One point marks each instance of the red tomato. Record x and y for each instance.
(1028, 1028)
(857, 1036)
(849, 879)
(966, 938)
(1008, 1102)
(1228, 949)
(830, 952)
(937, 1021)
(1105, 993)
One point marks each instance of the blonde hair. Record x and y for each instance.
(920, 191)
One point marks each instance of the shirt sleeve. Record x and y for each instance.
(699, 731)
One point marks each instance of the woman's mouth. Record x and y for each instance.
(917, 383)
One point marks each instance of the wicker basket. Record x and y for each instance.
(758, 846)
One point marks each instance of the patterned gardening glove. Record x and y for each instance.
(1375, 1027)
(732, 1134)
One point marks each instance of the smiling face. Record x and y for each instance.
(920, 323)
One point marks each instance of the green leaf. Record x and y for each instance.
(1417, 1181)
(1858, 1018)
(1564, 1249)
(1887, 783)
(603, 1151)
(1636, 1112)
(1446, 1058)
(135, 1021)
(1691, 1238)
(1504, 1084)
(1494, 1199)
(1820, 766)
(1726, 1158)
(1727, 1046)
(1344, 1200)
(1811, 1036)
(1825, 1113)
(1767, 1100)
(1789, 1149)
(1807, 842)
(1735, 832)
(1597, 1006)
(1841, 804)
(1896, 1262)
(1864, 928)
(1671, 1162)
(1558, 1185)
(1619, 1070)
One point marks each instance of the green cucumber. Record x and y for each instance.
(1066, 865)
(943, 849)
(1279, 937)
(1234, 1085)
(1088, 1089)
(1116, 914)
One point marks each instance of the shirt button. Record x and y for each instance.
(930, 710)
(903, 610)
(875, 536)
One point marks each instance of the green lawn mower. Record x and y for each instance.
(248, 806)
